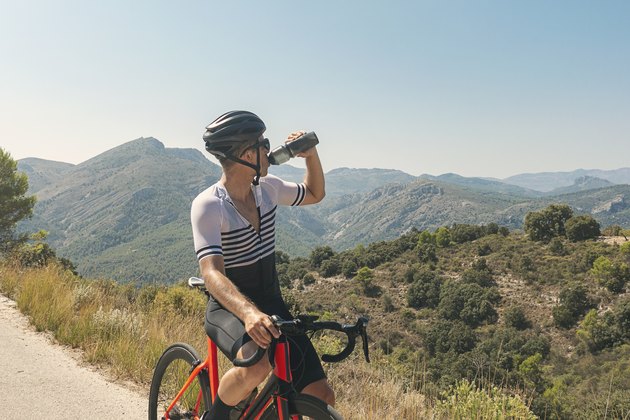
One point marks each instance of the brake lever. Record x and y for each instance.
(363, 321)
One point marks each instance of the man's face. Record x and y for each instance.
(250, 154)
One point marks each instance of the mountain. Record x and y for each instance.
(42, 172)
(484, 184)
(342, 181)
(125, 213)
(548, 181)
(583, 183)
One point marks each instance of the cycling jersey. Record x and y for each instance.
(219, 229)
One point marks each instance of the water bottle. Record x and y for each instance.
(285, 152)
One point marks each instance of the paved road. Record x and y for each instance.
(39, 379)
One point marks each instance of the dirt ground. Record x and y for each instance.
(40, 379)
(614, 239)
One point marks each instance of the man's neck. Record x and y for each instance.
(239, 186)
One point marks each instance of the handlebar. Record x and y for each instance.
(303, 324)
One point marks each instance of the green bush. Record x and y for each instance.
(308, 278)
(319, 255)
(330, 268)
(349, 268)
(479, 274)
(427, 253)
(611, 275)
(425, 290)
(468, 302)
(449, 336)
(548, 223)
(514, 317)
(581, 228)
(467, 401)
(461, 233)
(365, 278)
(443, 237)
(557, 247)
(574, 302)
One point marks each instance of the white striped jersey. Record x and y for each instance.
(219, 229)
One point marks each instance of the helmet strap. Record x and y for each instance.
(255, 167)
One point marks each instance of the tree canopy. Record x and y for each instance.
(14, 204)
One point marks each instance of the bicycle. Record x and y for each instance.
(169, 398)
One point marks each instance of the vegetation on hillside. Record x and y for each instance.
(467, 321)
(495, 308)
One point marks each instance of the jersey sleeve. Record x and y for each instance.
(287, 193)
(206, 217)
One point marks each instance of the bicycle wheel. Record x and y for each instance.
(305, 407)
(170, 375)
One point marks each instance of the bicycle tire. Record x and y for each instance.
(169, 376)
(305, 406)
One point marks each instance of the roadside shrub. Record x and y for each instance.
(180, 300)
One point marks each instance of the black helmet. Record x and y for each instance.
(232, 130)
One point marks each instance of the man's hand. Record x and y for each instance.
(260, 328)
(297, 134)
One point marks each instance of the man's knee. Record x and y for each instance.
(322, 390)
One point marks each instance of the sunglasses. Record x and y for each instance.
(262, 143)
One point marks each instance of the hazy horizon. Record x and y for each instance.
(292, 163)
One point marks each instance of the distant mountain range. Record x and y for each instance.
(124, 214)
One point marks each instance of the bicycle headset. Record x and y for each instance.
(230, 131)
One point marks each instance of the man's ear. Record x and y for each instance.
(248, 154)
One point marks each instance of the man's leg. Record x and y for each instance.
(238, 382)
(322, 390)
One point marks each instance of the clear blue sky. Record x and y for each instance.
(479, 88)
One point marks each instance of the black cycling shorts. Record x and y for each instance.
(228, 333)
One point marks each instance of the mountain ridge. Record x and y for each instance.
(125, 212)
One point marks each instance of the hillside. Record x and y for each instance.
(500, 308)
(125, 213)
(458, 317)
(43, 172)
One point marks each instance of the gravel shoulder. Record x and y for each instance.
(41, 378)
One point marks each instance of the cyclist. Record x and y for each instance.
(233, 225)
